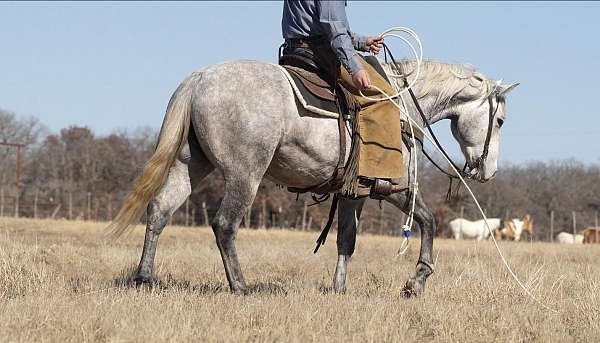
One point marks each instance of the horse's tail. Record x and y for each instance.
(173, 136)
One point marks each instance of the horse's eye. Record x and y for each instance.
(500, 122)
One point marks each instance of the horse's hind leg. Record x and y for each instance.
(239, 195)
(416, 285)
(186, 172)
(349, 211)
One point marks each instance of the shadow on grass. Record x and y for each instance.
(326, 289)
(267, 288)
(127, 280)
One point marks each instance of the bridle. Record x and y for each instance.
(467, 169)
(486, 146)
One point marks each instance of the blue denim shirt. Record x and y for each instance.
(324, 18)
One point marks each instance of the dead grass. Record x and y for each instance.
(61, 281)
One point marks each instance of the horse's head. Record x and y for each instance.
(475, 105)
(516, 225)
(476, 121)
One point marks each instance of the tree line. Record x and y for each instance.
(77, 174)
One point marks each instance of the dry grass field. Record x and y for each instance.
(61, 281)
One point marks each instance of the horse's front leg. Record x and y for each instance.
(348, 216)
(416, 285)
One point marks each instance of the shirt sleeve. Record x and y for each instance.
(333, 22)
(358, 41)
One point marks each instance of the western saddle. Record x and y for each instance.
(320, 94)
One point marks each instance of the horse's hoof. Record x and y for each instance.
(339, 285)
(412, 288)
(339, 289)
(240, 291)
(141, 281)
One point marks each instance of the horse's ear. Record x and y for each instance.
(502, 90)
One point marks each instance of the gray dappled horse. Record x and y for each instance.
(242, 118)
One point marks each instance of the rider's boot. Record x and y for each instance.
(377, 188)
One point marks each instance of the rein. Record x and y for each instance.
(465, 171)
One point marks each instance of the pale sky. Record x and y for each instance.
(113, 65)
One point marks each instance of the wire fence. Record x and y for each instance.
(384, 220)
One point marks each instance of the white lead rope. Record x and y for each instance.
(412, 123)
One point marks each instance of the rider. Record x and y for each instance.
(319, 30)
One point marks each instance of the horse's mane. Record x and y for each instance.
(448, 80)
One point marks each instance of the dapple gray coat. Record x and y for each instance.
(242, 119)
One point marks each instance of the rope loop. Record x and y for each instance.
(432, 139)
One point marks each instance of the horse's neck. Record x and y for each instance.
(432, 114)
(427, 104)
(430, 103)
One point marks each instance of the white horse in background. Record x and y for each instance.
(466, 229)
(569, 238)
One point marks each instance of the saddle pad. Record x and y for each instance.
(311, 102)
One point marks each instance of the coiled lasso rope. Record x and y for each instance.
(412, 124)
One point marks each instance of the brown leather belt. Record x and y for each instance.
(305, 42)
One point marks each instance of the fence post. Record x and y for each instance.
(304, 215)
(18, 184)
(574, 225)
(552, 226)
(35, 203)
(89, 206)
(2, 202)
(17, 200)
(595, 218)
(70, 205)
(280, 216)
(96, 208)
(187, 212)
(205, 213)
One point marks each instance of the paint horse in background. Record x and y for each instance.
(513, 229)
(465, 229)
(243, 119)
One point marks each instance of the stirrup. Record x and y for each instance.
(377, 188)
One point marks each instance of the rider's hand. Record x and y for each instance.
(361, 80)
(374, 44)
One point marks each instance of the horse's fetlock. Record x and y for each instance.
(424, 269)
